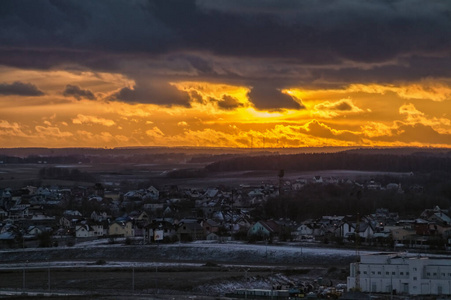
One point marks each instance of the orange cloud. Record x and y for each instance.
(82, 119)
(427, 89)
(329, 109)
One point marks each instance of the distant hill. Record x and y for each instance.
(388, 160)
(239, 159)
(128, 151)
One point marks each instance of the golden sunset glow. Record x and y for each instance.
(121, 91)
(352, 116)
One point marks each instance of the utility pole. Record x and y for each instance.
(156, 279)
(23, 275)
(357, 253)
(133, 279)
(48, 274)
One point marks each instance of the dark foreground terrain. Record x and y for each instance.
(168, 271)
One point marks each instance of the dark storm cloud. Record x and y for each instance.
(77, 92)
(227, 102)
(318, 38)
(121, 26)
(20, 89)
(310, 31)
(156, 93)
(267, 97)
(342, 105)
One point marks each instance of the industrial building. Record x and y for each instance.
(401, 273)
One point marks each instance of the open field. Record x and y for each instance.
(188, 269)
(17, 176)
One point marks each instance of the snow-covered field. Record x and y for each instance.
(195, 254)
(241, 265)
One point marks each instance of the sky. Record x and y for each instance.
(225, 73)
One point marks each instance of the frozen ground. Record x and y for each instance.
(234, 265)
(181, 253)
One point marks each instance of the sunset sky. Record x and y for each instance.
(225, 73)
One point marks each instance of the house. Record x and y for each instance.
(83, 231)
(424, 227)
(19, 212)
(298, 184)
(331, 180)
(438, 215)
(139, 216)
(8, 239)
(349, 229)
(241, 224)
(317, 179)
(9, 236)
(72, 213)
(373, 185)
(212, 237)
(306, 229)
(165, 228)
(264, 229)
(152, 193)
(400, 234)
(210, 226)
(65, 222)
(35, 231)
(3, 214)
(394, 187)
(121, 228)
(190, 230)
(99, 217)
(211, 193)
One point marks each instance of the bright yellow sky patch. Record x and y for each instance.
(357, 115)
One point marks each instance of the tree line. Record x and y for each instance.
(65, 174)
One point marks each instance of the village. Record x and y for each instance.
(63, 216)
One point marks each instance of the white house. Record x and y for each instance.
(401, 273)
(305, 229)
(83, 231)
(365, 229)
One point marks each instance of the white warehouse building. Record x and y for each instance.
(402, 274)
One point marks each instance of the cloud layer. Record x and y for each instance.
(196, 72)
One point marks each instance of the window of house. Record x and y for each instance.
(414, 278)
(428, 274)
(407, 273)
(372, 272)
(364, 272)
(379, 273)
(401, 273)
(393, 273)
(387, 273)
